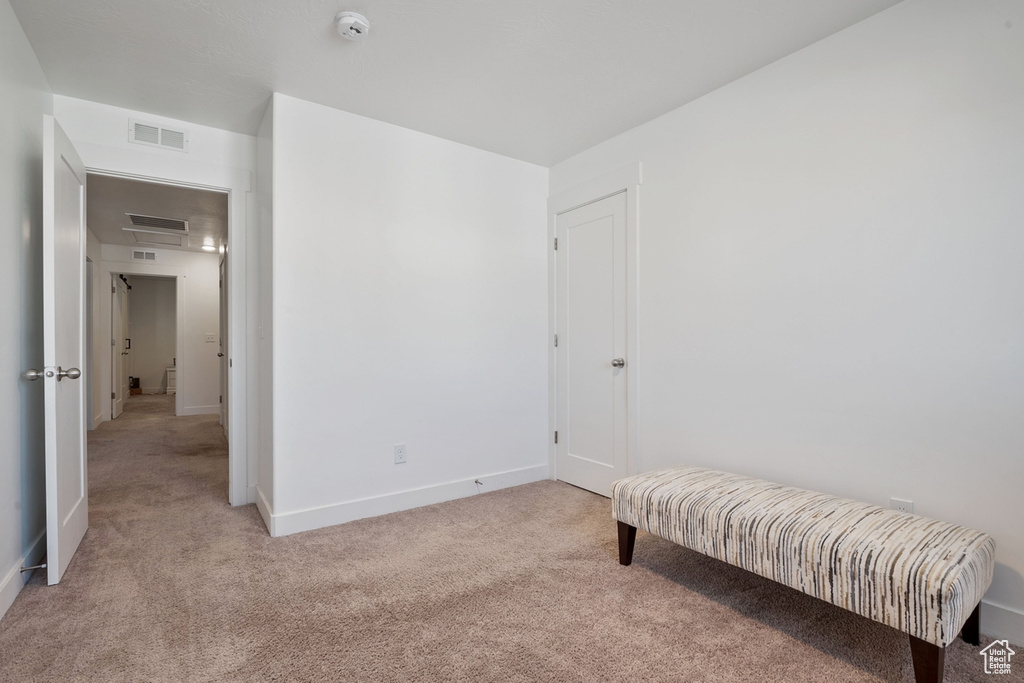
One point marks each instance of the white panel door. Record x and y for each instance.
(126, 357)
(118, 345)
(223, 349)
(67, 503)
(591, 315)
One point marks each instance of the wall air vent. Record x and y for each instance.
(138, 255)
(157, 238)
(157, 136)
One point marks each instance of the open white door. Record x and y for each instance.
(222, 352)
(118, 345)
(67, 503)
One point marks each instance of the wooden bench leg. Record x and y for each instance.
(929, 660)
(627, 537)
(971, 632)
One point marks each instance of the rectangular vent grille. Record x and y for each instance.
(172, 138)
(157, 238)
(175, 225)
(148, 134)
(157, 136)
(143, 255)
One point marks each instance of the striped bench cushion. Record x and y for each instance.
(919, 575)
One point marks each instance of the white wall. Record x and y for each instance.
(409, 290)
(24, 99)
(100, 134)
(216, 159)
(198, 311)
(99, 339)
(263, 362)
(831, 278)
(152, 318)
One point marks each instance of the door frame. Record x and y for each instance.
(110, 270)
(627, 179)
(236, 183)
(90, 321)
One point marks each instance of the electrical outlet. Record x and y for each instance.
(901, 505)
(211, 338)
(399, 453)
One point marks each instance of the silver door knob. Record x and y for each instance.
(33, 375)
(619, 363)
(70, 373)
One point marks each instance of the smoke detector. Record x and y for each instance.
(352, 26)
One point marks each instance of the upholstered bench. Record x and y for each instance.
(918, 575)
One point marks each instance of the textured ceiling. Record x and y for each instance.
(537, 80)
(110, 198)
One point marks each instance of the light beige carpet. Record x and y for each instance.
(172, 584)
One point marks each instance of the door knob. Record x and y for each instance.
(220, 355)
(618, 362)
(70, 373)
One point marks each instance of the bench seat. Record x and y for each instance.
(921, 576)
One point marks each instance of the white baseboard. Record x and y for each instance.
(1002, 622)
(201, 410)
(266, 512)
(287, 523)
(14, 580)
(153, 390)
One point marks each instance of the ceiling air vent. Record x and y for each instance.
(174, 226)
(138, 255)
(157, 136)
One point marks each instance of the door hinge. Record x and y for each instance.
(556, 244)
(556, 341)
(113, 343)
(113, 289)
(112, 395)
(220, 399)
(556, 437)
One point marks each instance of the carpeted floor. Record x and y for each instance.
(172, 584)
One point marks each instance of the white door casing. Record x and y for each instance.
(238, 182)
(593, 279)
(67, 503)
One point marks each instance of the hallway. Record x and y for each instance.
(180, 458)
(157, 535)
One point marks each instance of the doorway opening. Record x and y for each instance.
(144, 358)
(162, 251)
